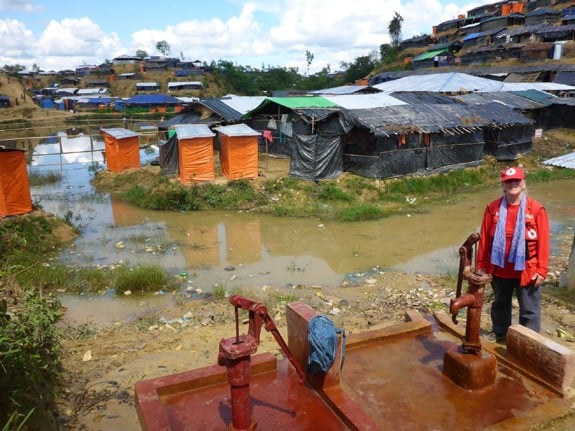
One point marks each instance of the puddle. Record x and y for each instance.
(239, 250)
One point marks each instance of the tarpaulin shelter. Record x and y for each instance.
(508, 134)
(122, 148)
(238, 151)
(195, 153)
(15, 196)
(401, 140)
(308, 129)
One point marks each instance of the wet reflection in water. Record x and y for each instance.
(251, 251)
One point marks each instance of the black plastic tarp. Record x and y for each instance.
(316, 157)
(394, 156)
(509, 142)
(169, 156)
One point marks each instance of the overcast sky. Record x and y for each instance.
(63, 34)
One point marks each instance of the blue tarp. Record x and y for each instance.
(152, 99)
(47, 103)
(99, 101)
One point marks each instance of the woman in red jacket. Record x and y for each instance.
(514, 249)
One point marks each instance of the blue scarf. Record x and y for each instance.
(517, 251)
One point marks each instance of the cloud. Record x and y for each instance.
(19, 5)
(17, 41)
(272, 32)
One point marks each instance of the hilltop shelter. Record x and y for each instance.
(15, 196)
(238, 151)
(122, 148)
(195, 153)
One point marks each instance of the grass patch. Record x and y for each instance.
(361, 213)
(279, 299)
(42, 178)
(142, 279)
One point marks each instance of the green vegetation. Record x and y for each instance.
(142, 279)
(41, 178)
(29, 361)
(29, 311)
(348, 198)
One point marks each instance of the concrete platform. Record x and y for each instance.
(391, 379)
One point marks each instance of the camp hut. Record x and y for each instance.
(400, 140)
(507, 134)
(238, 151)
(307, 129)
(122, 148)
(195, 153)
(14, 185)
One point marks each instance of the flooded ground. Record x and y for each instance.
(247, 251)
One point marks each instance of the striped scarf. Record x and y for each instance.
(517, 251)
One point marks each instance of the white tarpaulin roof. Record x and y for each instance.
(541, 86)
(242, 104)
(441, 83)
(364, 101)
(455, 82)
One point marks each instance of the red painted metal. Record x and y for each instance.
(235, 353)
(474, 297)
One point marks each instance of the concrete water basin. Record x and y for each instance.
(391, 379)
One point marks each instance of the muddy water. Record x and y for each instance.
(240, 250)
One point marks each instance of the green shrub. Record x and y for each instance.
(29, 361)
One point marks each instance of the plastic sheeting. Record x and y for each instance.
(239, 156)
(169, 156)
(15, 196)
(392, 156)
(316, 157)
(196, 159)
(508, 143)
(122, 153)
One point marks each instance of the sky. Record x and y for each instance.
(65, 34)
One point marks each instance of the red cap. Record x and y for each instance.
(512, 174)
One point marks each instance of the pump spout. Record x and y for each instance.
(466, 300)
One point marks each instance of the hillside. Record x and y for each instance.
(23, 107)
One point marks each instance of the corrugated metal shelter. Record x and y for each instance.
(238, 151)
(15, 196)
(195, 153)
(122, 148)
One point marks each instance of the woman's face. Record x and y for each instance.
(513, 188)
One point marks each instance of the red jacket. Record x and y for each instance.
(536, 241)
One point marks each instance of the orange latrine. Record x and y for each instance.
(195, 153)
(238, 151)
(122, 149)
(14, 184)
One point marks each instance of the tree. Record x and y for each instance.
(360, 68)
(140, 53)
(387, 53)
(394, 29)
(308, 59)
(163, 47)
